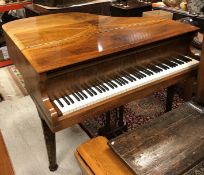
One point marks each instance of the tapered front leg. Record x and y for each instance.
(50, 145)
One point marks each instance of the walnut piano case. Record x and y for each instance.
(62, 53)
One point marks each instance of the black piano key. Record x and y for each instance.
(183, 62)
(98, 89)
(122, 80)
(168, 63)
(80, 96)
(76, 97)
(183, 58)
(176, 64)
(65, 99)
(88, 92)
(118, 82)
(124, 75)
(128, 76)
(140, 71)
(147, 69)
(115, 79)
(143, 71)
(113, 84)
(153, 68)
(110, 79)
(93, 92)
(188, 58)
(80, 93)
(142, 74)
(158, 68)
(104, 86)
(136, 73)
(177, 61)
(60, 103)
(136, 76)
(162, 66)
(84, 95)
(109, 84)
(133, 78)
(70, 99)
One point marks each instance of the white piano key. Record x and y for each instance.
(121, 89)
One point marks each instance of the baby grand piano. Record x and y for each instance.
(76, 65)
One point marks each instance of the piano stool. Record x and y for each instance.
(96, 157)
(5, 162)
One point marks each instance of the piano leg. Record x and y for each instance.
(120, 116)
(112, 131)
(169, 98)
(188, 89)
(51, 145)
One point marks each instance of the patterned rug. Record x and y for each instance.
(136, 113)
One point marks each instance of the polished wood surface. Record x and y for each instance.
(54, 51)
(61, 52)
(55, 37)
(171, 144)
(6, 167)
(105, 161)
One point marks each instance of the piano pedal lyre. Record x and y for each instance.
(110, 130)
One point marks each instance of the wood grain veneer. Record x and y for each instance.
(6, 167)
(55, 53)
(171, 144)
(58, 40)
(105, 161)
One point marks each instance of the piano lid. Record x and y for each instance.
(53, 41)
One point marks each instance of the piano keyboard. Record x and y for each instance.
(124, 81)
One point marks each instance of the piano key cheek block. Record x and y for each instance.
(75, 65)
